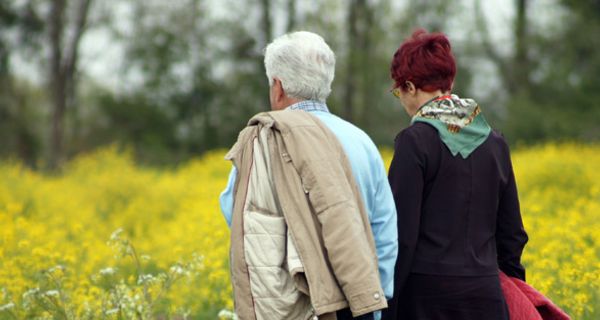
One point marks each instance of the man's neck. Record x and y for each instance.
(287, 101)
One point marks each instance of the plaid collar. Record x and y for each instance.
(309, 105)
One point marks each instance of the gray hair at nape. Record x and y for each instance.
(304, 64)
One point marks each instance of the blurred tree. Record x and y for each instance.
(514, 70)
(64, 42)
(20, 27)
(193, 69)
(291, 15)
(388, 25)
(551, 89)
(569, 80)
(202, 73)
(137, 122)
(359, 23)
(267, 28)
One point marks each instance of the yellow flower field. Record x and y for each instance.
(112, 240)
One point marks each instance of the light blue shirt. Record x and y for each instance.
(369, 172)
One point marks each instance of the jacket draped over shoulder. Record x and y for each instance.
(323, 210)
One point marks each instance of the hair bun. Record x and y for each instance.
(432, 40)
(425, 59)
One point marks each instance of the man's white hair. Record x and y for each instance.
(304, 64)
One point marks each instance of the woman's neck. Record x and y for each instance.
(424, 96)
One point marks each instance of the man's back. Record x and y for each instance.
(371, 178)
(369, 172)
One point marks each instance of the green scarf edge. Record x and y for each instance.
(453, 142)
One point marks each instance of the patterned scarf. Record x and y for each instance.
(459, 122)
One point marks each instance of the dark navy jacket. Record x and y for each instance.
(456, 217)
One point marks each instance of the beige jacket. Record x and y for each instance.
(323, 209)
(269, 251)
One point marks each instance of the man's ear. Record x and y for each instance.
(278, 90)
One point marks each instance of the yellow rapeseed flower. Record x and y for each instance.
(172, 218)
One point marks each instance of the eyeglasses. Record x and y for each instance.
(396, 92)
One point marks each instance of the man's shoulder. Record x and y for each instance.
(285, 119)
(357, 143)
(342, 126)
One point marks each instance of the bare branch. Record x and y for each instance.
(71, 52)
(55, 22)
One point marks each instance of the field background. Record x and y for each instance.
(108, 239)
(89, 231)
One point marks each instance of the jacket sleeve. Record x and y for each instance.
(345, 231)
(510, 233)
(345, 238)
(406, 178)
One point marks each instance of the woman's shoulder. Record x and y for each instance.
(417, 131)
(419, 138)
(498, 139)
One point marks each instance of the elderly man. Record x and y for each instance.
(300, 69)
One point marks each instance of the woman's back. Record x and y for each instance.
(458, 223)
(461, 203)
(455, 194)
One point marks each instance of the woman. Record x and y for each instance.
(453, 184)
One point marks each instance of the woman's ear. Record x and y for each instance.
(410, 87)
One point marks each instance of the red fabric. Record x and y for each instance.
(526, 303)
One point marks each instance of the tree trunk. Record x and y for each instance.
(353, 39)
(366, 54)
(291, 23)
(57, 83)
(63, 64)
(521, 64)
(515, 70)
(360, 19)
(266, 21)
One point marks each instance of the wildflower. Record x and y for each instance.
(111, 311)
(227, 314)
(559, 189)
(145, 278)
(116, 235)
(177, 269)
(57, 268)
(52, 293)
(31, 292)
(7, 306)
(108, 271)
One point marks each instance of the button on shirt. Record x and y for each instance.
(369, 172)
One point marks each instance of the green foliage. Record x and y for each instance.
(137, 122)
(561, 100)
(193, 72)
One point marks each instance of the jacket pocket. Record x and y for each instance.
(323, 188)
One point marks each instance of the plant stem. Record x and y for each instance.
(140, 272)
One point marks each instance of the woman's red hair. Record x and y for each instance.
(426, 60)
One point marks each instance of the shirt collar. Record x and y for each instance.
(309, 105)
